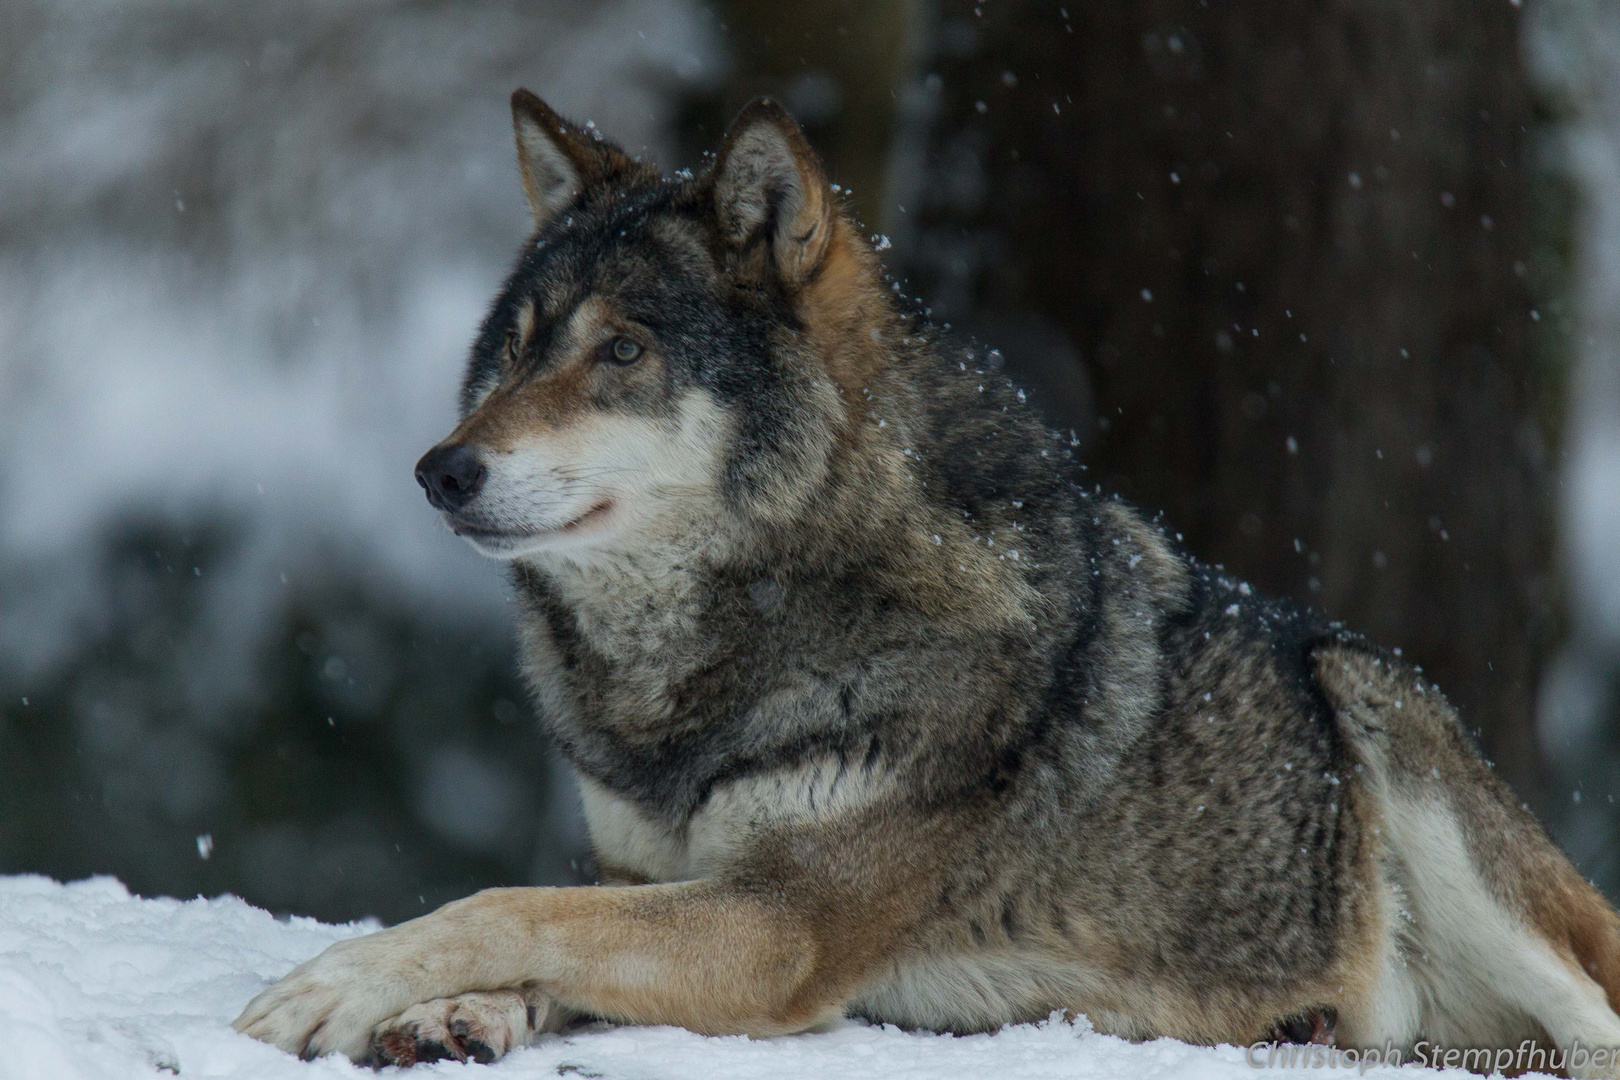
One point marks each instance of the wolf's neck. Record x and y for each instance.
(638, 608)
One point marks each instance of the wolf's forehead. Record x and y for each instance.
(633, 257)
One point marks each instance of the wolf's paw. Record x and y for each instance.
(480, 1026)
(332, 1002)
(1314, 1025)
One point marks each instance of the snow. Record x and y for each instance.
(97, 983)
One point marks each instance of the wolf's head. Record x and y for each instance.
(669, 353)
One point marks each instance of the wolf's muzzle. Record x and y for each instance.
(451, 475)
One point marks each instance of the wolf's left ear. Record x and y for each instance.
(558, 160)
(768, 185)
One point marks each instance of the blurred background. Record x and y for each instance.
(1334, 286)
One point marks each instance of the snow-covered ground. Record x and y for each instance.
(97, 983)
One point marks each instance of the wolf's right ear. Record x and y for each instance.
(557, 159)
(768, 185)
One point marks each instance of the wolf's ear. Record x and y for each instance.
(768, 185)
(557, 159)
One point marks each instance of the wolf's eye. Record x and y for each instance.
(512, 344)
(623, 351)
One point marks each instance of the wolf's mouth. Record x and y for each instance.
(503, 540)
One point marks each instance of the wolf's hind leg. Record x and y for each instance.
(1498, 939)
(481, 1026)
(1489, 972)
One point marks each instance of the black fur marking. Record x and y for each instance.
(1009, 921)
(1310, 1026)
(428, 1050)
(478, 1050)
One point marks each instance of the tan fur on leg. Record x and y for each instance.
(705, 956)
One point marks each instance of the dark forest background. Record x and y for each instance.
(1299, 276)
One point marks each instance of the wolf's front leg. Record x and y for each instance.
(706, 956)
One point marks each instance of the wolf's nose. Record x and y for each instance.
(450, 475)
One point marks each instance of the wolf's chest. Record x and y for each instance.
(814, 790)
(632, 844)
(629, 844)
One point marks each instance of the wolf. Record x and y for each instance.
(880, 708)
